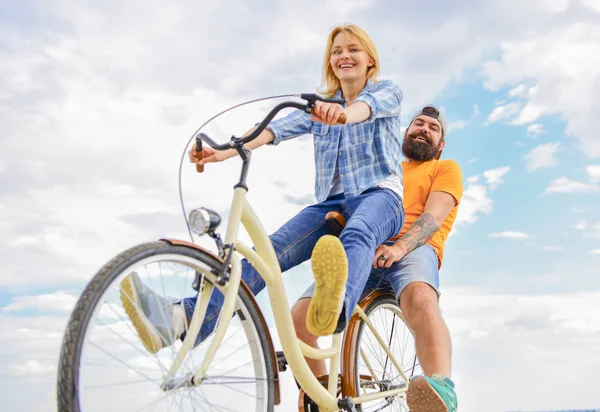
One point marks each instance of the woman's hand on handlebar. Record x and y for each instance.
(210, 155)
(329, 113)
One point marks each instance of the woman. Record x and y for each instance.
(358, 173)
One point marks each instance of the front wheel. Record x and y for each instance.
(104, 365)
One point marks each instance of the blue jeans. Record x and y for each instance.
(372, 218)
(420, 265)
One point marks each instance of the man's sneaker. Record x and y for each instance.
(150, 313)
(431, 394)
(330, 269)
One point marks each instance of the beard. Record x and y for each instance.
(417, 150)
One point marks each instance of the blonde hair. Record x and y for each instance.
(331, 83)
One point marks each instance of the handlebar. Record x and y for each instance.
(308, 107)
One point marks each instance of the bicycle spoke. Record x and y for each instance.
(145, 407)
(109, 365)
(390, 342)
(372, 350)
(222, 408)
(157, 381)
(240, 391)
(137, 348)
(239, 367)
(240, 379)
(214, 365)
(120, 361)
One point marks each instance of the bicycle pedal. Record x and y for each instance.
(281, 361)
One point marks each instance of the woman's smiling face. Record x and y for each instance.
(348, 59)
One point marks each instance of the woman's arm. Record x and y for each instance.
(329, 113)
(211, 155)
(384, 100)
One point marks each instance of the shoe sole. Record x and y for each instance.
(141, 323)
(421, 397)
(330, 270)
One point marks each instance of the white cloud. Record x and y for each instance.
(542, 156)
(536, 333)
(31, 367)
(30, 348)
(521, 90)
(503, 112)
(535, 130)
(560, 61)
(529, 113)
(595, 252)
(593, 172)
(457, 125)
(58, 301)
(580, 225)
(510, 235)
(493, 177)
(564, 185)
(474, 202)
(593, 4)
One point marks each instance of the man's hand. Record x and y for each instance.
(210, 155)
(385, 256)
(327, 113)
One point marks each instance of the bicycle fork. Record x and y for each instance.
(194, 379)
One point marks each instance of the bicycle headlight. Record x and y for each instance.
(203, 220)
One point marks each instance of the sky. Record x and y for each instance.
(98, 102)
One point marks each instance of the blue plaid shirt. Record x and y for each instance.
(366, 153)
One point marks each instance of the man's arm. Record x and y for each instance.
(438, 206)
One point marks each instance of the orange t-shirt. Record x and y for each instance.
(421, 178)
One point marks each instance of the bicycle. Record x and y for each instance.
(101, 351)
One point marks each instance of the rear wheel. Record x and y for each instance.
(374, 370)
(104, 365)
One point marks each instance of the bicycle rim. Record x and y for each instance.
(375, 372)
(112, 370)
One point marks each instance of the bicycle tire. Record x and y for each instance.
(69, 367)
(382, 301)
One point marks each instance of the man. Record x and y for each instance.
(411, 260)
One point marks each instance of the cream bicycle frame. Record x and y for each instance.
(265, 261)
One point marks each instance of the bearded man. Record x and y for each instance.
(409, 263)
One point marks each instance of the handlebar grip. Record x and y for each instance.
(338, 101)
(200, 154)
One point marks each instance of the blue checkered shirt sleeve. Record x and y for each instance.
(293, 125)
(384, 99)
